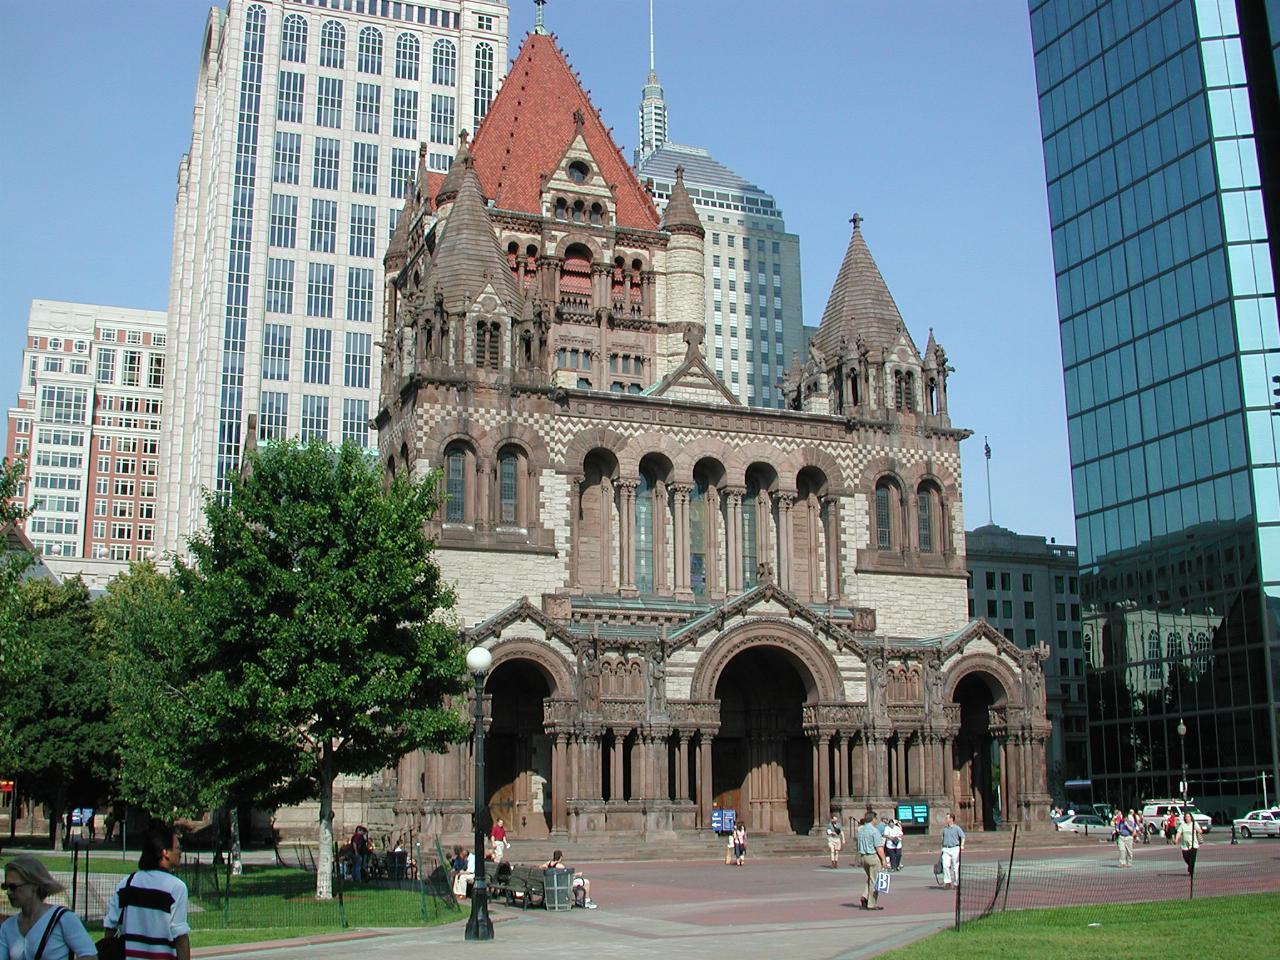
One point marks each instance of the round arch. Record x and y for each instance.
(555, 669)
(816, 666)
(1000, 679)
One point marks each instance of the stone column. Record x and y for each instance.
(606, 532)
(831, 534)
(733, 558)
(639, 763)
(822, 776)
(559, 783)
(785, 553)
(680, 492)
(839, 750)
(616, 747)
(627, 536)
(858, 765)
(661, 523)
(705, 796)
(575, 506)
(682, 765)
(715, 586)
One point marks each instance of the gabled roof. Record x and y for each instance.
(529, 126)
(521, 611)
(860, 303)
(693, 379)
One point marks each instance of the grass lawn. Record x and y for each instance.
(104, 861)
(1214, 928)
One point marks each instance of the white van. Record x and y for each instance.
(1155, 812)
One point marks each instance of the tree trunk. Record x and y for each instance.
(233, 812)
(59, 830)
(324, 856)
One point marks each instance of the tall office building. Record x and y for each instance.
(87, 419)
(754, 316)
(309, 117)
(1160, 121)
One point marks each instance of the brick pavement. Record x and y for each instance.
(795, 908)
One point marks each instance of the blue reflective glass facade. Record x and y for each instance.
(1161, 127)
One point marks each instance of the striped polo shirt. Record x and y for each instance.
(155, 914)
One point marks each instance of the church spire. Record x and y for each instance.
(539, 26)
(653, 106)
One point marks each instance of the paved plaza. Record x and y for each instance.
(795, 908)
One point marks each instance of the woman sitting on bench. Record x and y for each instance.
(581, 885)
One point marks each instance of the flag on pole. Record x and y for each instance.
(986, 448)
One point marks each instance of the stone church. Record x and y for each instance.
(691, 604)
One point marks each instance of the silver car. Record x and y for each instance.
(1084, 823)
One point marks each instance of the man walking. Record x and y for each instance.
(835, 840)
(871, 855)
(1125, 830)
(952, 847)
(149, 907)
(499, 838)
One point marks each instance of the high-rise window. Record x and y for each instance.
(287, 160)
(408, 55)
(279, 285)
(360, 294)
(364, 168)
(442, 118)
(404, 119)
(155, 370)
(329, 102)
(317, 355)
(357, 360)
(275, 351)
(324, 225)
(324, 171)
(360, 238)
(369, 51)
(290, 96)
(283, 230)
(483, 79)
(315, 418)
(402, 171)
(444, 63)
(320, 290)
(355, 421)
(131, 368)
(106, 371)
(63, 404)
(273, 415)
(293, 38)
(368, 107)
(333, 44)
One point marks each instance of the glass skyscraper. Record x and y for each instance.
(1161, 126)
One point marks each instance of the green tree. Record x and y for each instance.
(60, 717)
(319, 609)
(13, 562)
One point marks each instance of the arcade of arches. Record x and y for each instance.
(782, 722)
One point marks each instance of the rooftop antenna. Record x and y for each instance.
(651, 69)
(539, 27)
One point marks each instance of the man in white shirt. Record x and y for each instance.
(149, 907)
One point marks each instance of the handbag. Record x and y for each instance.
(48, 931)
(112, 948)
(882, 881)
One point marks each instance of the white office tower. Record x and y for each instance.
(87, 419)
(754, 317)
(309, 116)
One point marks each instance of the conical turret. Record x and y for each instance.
(680, 215)
(468, 255)
(860, 305)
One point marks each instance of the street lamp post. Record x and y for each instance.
(1182, 746)
(479, 925)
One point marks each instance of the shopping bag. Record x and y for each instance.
(882, 881)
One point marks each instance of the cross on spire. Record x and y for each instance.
(539, 26)
(856, 220)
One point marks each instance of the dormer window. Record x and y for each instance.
(579, 171)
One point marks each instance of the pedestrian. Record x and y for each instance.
(1170, 827)
(1141, 822)
(1188, 835)
(893, 844)
(359, 852)
(871, 856)
(1125, 828)
(740, 843)
(498, 836)
(39, 929)
(952, 846)
(149, 907)
(835, 840)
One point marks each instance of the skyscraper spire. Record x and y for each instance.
(539, 26)
(653, 106)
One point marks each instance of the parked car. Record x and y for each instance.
(1259, 823)
(1155, 812)
(1081, 821)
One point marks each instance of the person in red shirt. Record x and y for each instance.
(498, 836)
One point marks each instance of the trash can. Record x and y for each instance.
(558, 886)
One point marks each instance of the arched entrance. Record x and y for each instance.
(518, 752)
(976, 753)
(761, 760)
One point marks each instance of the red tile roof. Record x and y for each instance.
(529, 127)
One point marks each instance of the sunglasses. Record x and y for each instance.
(11, 887)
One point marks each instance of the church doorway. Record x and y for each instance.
(518, 752)
(761, 760)
(976, 756)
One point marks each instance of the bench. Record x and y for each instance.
(521, 886)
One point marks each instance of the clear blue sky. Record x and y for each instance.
(919, 115)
